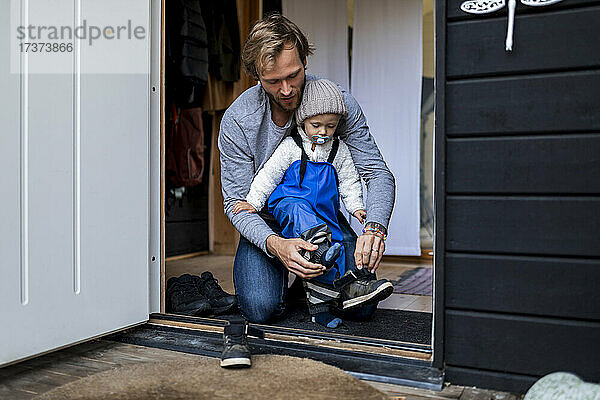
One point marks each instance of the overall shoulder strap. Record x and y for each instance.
(304, 159)
(296, 136)
(334, 148)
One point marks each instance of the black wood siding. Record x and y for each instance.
(521, 242)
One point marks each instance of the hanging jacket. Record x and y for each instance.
(223, 39)
(187, 41)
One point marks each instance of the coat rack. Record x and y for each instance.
(490, 6)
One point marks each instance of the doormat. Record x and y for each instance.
(270, 377)
(396, 325)
(417, 281)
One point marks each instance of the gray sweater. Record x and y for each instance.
(248, 137)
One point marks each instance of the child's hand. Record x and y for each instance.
(360, 215)
(243, 206)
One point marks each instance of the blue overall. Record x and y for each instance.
(307, 197)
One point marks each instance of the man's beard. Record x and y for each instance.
(287, 108)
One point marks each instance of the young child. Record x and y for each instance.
(301, 183)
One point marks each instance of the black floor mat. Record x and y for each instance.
(396, 325)
(404, 326)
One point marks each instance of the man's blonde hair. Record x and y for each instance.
(267, 39)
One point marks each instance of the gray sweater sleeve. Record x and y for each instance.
(381, 186)
(237, 171)
(271, 173)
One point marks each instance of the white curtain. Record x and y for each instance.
(326, 24)
(386, 82)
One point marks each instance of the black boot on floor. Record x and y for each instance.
(183, 297)
(220, 300)
(236, 353)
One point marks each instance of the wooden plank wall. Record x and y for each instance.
(522, 199)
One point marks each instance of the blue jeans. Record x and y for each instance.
(261, 281)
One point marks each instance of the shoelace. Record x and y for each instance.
(213, 288)
(186, 289)
(352, 276)
(235, 339)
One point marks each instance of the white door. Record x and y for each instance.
(74, 171)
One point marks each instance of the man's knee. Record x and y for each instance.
(260, 310)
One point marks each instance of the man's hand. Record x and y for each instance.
(287, 250)
(369, 250)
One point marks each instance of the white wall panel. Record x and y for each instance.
(326, 25)
(386, 81)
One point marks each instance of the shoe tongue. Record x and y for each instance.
(206, 275)
(236, 329)
(363, 272)
(352, 276)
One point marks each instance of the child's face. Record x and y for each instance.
(320, 128)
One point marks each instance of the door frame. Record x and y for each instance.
(287, 339)
(439, 181)
(156, 238)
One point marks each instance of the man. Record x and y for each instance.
(275, 54)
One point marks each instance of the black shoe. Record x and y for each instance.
(236, 353)
(220, 301)
(183, 297)
(359, 287)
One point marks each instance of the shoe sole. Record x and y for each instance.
(222, 310)
(236, 362)
(381, 293)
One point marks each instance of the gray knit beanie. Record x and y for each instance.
(320, 96)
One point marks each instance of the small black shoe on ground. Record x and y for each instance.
(220, 301)
(236, 353)
(359, 287)
(183, 297)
